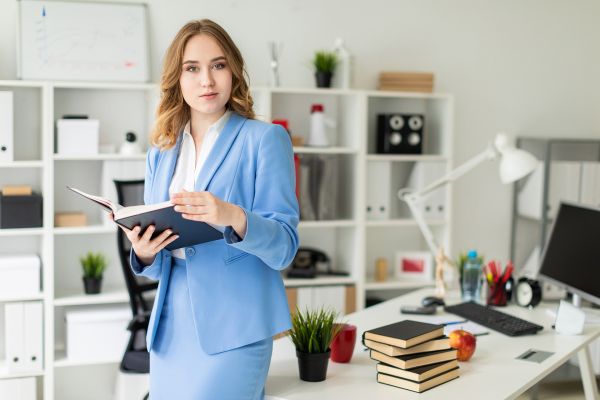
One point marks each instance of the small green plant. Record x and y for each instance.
(93, 265)
(313, 331)
(325, 61)
(462, 259)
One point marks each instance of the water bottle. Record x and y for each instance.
(317, 135)
(471, 281)
(343, 72)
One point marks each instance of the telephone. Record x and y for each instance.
(305, 263)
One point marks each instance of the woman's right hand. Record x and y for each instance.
(144, 246)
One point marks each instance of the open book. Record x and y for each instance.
(162, 216)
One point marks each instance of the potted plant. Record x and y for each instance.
(324, 63)
(93, 265)
(312, 333)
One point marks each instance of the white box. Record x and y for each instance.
(19, 275)
(77, 137)
(6, 127)
(97, 335)
(18, 389)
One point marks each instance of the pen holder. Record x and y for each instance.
(498, 293)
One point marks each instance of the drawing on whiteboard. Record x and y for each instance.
(83, 41)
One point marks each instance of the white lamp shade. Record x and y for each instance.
(516, 164)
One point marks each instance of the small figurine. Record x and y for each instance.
(440, 265)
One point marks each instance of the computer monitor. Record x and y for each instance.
(571, 258)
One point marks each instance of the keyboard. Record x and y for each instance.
(494, 319)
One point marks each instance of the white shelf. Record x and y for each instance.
(85, 230)
(313, 91)
(61, 361)
(17, 83)
(319, 281)
(4, 374)
(391, 284)
(26, 297)
(324, 150)
(77, 297)
(407, 157)
(104, 85)
(411, 95)
(22, 164)
(99, 157)
(403, 222)
(339, 223)
(22, 232)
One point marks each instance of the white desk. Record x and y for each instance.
(492, 373)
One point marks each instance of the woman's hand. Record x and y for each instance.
(144, 246)
(206, 207)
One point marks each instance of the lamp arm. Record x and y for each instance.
(488, 154)
(420, 219)
(414, 198)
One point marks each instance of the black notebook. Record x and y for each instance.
(405, 333)
(415, 360)
(441, 343)
(418, 374)
(418, 387)
(162, 216)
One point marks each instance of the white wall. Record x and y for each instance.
(526, 66)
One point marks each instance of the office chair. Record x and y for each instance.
(136, 358)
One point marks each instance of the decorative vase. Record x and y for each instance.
(313, 366)
(92, 285)
(323, 79)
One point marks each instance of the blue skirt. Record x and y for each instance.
(180, 369)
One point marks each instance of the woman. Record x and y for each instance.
(219, 303)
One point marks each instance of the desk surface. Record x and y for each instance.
(493, 371)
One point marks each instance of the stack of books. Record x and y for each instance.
(406, 81)
(412, 355)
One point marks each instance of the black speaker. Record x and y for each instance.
(400, 133)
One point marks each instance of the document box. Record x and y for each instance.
(97, 335)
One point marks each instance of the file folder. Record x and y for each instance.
(6, 127)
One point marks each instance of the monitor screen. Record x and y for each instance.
(571, 258)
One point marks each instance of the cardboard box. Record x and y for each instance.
(22, 190)
(65, 219)
(20, 274)
(77, 137)
(97, 335)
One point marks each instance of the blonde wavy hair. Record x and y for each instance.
(173, 112)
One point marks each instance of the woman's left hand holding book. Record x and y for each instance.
(144, 246)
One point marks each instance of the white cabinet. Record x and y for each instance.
(358, 222)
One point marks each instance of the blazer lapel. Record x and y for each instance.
(165, 170)
(219, 151)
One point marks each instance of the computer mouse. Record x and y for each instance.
(432, 300)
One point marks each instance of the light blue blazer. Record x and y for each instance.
(236, 289)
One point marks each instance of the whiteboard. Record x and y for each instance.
(64, 40)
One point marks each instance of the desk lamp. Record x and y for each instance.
(514, 165)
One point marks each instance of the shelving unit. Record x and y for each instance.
(568, 170)
(349, 237)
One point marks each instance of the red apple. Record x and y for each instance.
(463, 341)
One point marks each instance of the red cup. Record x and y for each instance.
(342, 346)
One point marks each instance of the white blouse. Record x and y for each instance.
(188, 165)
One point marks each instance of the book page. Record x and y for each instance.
(104, 203)
(125, 212)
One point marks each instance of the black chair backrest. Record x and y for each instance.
(131, 193)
